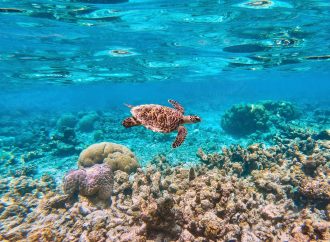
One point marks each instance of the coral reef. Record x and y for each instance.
(66, 121)
(298, 169)
(245, 119)
(257, 193)
(315, 189)
(95, 181)
(87, 122)
(117, 156)
(19, 199)
(268, 186)
(282, 109)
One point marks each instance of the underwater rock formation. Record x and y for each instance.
(96, 181)
(117, 156)
(245, 119)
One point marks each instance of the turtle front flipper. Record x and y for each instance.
(130, 122)
(182, 133)
(176, 105)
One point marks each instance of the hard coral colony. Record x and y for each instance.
(279, 192)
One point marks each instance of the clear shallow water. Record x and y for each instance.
(68, 66)
(73, 42)
(69, 56)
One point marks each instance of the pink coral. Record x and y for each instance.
(96, 180)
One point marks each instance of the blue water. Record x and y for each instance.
(59, 57)
(72, 42)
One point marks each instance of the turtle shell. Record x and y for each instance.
(157, 118)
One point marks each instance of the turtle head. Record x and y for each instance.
(190, 119)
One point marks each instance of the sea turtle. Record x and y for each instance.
(161, 119)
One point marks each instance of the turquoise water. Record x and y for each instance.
(70, 56)
(75, 42)
(87, 58)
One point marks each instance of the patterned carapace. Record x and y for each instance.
(161, 119)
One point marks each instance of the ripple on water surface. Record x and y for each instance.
(50, 41)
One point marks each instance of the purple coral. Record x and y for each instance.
(96, 180)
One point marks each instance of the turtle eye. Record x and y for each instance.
(195, 119)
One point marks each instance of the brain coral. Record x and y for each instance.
(93, 181)
(117, 156)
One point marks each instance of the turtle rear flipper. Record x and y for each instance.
(130, 122)
(182, 133)
(176, 105)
